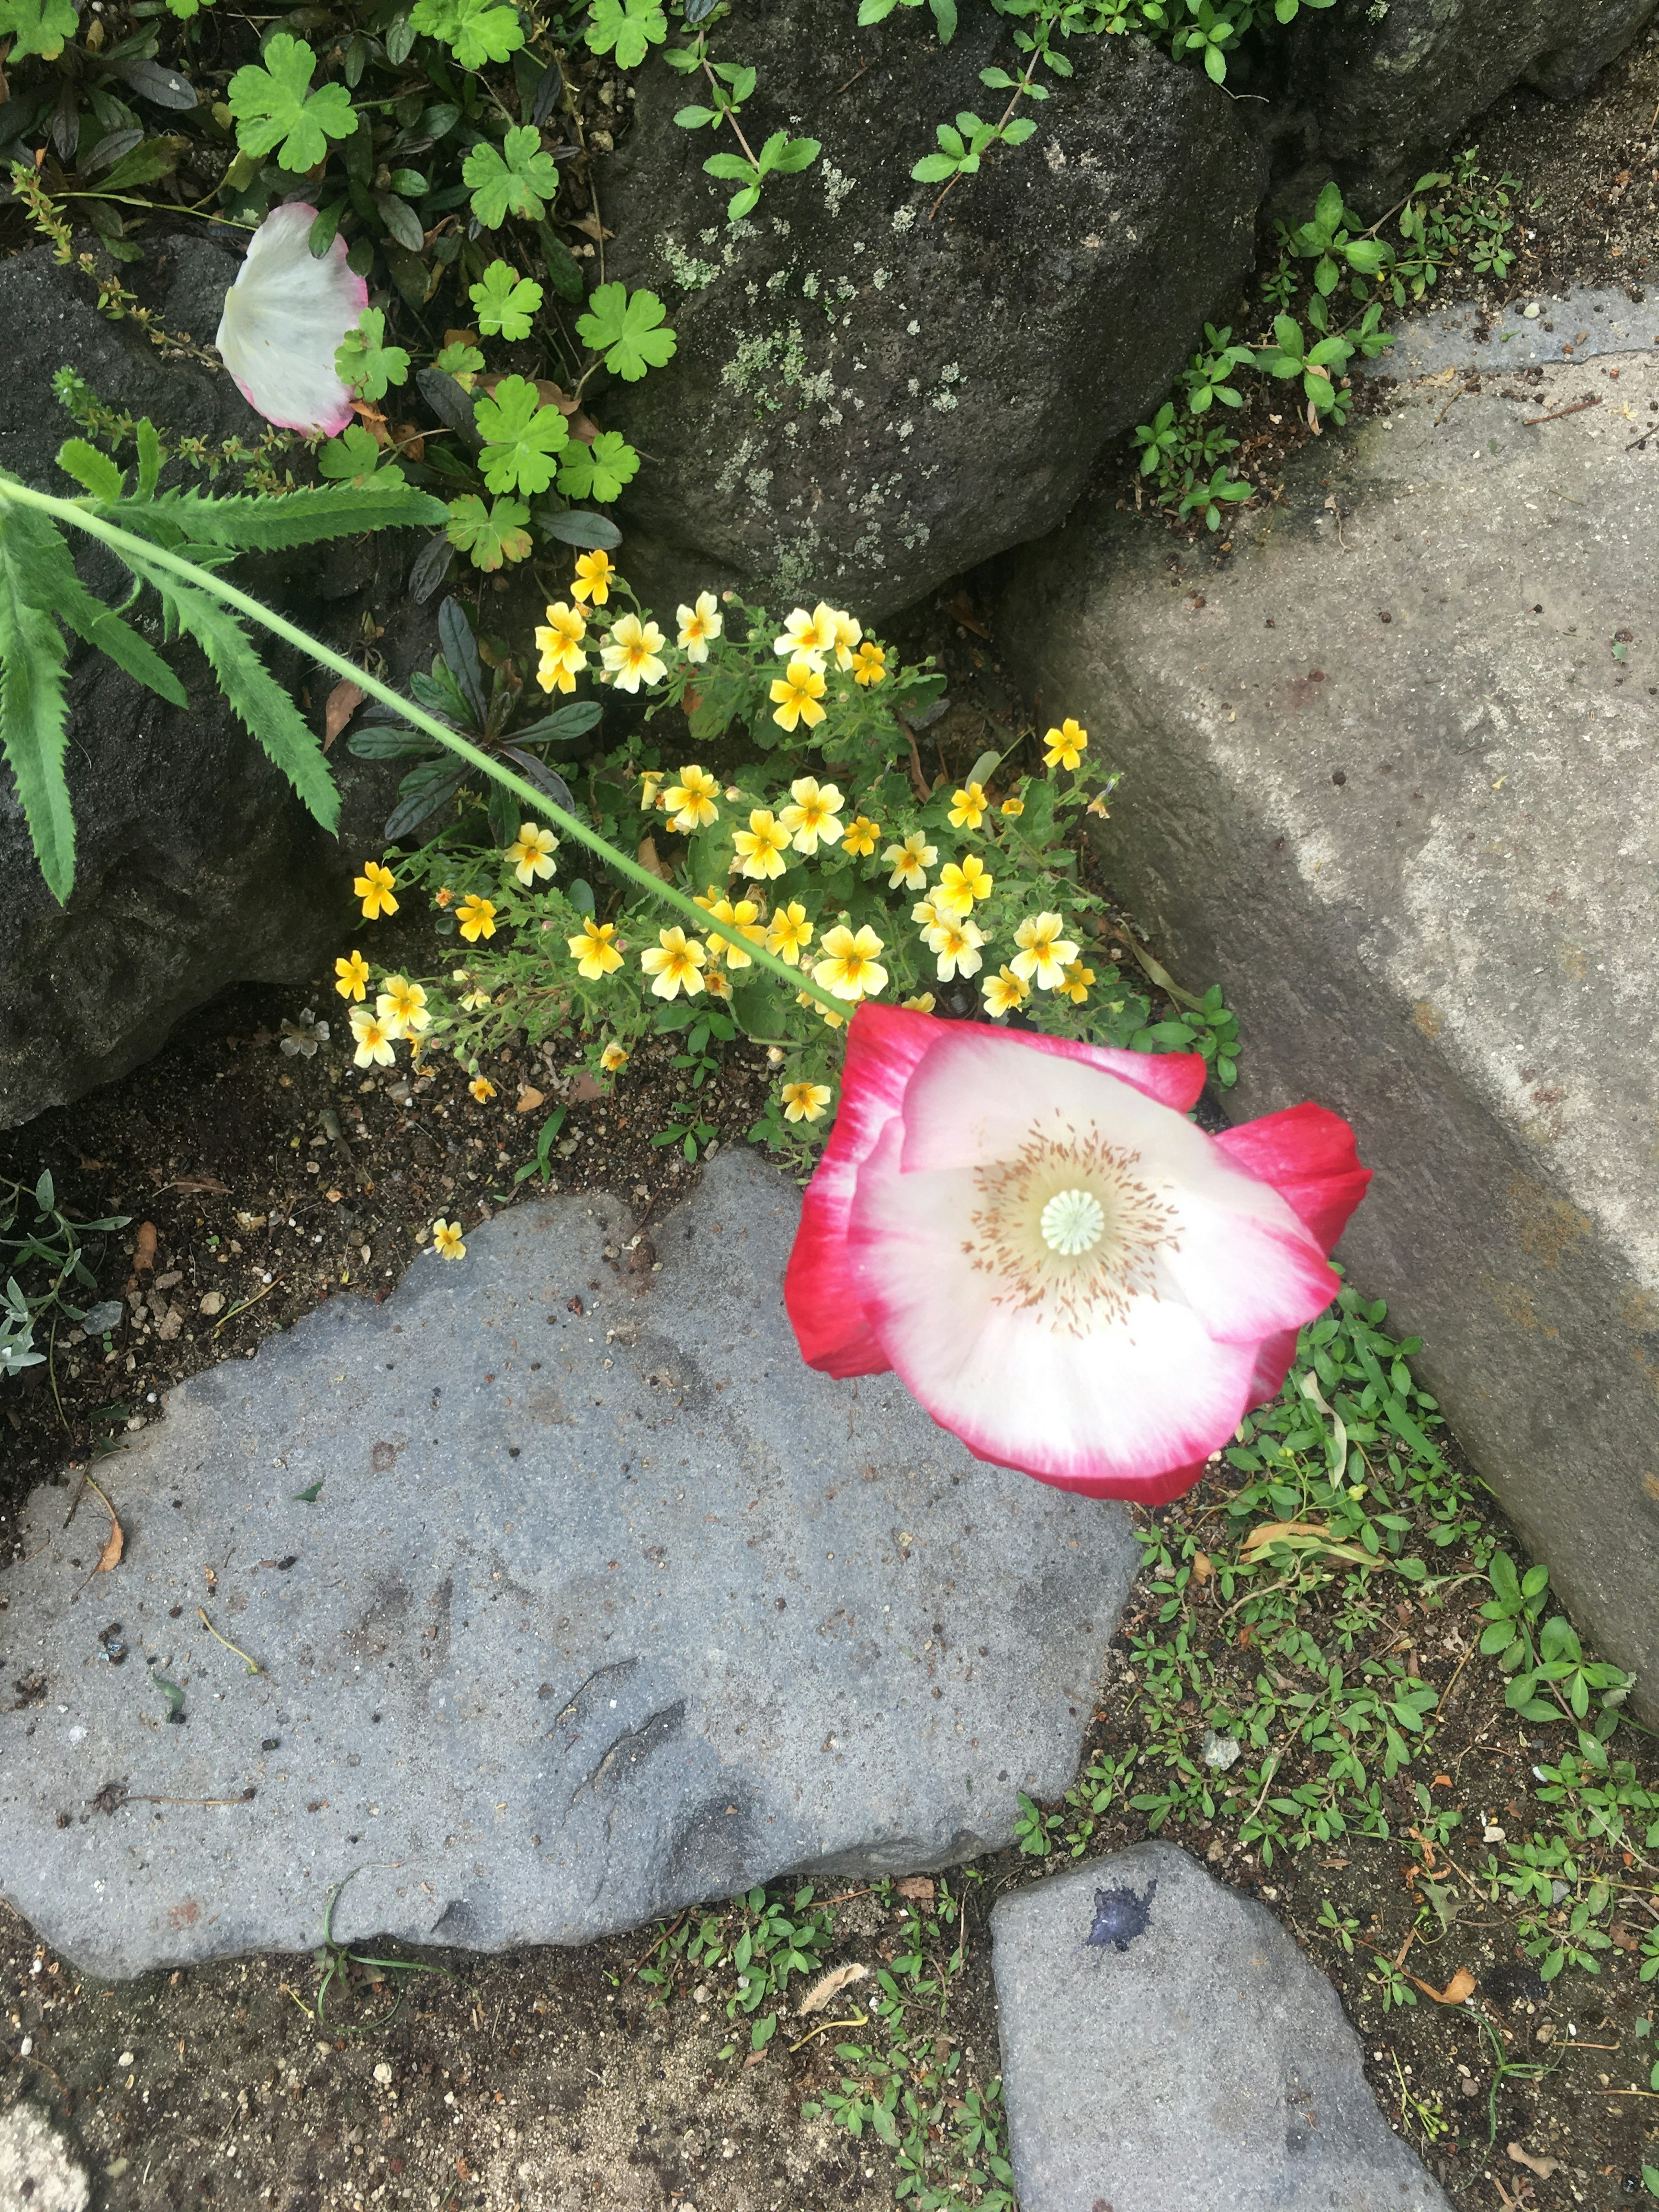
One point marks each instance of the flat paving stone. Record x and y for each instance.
(1166, 2046)
(38, 2172)
(606, 1604)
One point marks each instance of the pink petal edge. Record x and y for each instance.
(1310, 1155)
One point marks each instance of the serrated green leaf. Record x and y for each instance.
(626, 29)
(492, 534)
(299, 518)
(90, 468)
(505, 301)
(517, 178)
(365, 362)
(600, 470)
(47, 570)
(353, 457)
(37, 26)
(475, 31)
(276, 111)
(628, 329)
(521, 437)
(33, 716)
(458, 360)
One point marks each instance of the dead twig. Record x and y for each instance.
(252, 1665)
(1576, 408)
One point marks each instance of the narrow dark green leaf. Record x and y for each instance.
(575, 527)
(422, 792)
(32, 735)
(460, 654)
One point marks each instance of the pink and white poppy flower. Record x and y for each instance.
(1066, 1272)
(284, 318)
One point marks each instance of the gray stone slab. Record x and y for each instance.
(1196, 2060)
(1392, 777)
(1578, 325)
(38, 2172)
(597, 1613)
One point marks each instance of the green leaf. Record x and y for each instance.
(489, 534)
(48, 570)
(520, 437)
(32, 734)
(91, 468)
(796, 154)
(149, 457)
(628, 29)
(506, 301)
(353, 458)
(366, 362)
(276, 109)
(144, 165)
(475, 31)
(311, 1493)
(299, 518)
(628, 328)
(517, 178)
(599, 471)
(37, 26)
(458, 360)
(933, 168)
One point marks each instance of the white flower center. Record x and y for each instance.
(1073, 1222)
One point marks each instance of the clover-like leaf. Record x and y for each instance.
(37, 26)
(489, 534)
(628, 329)
(460, 361)
(275, 108)
(516, 177)
(521, 437)
(365, 362)
(505, 301)
(600, 470)
(475, 31)
(626, 29)
(353, 458)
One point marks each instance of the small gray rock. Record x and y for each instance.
(1166, 2046)
(38, 2172)
(606, 1604)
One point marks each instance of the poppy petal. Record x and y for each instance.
(283, 320)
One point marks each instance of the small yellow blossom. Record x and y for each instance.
(844, 634)
(353, 976)
(1075, 985)
(796, 693)
(443, 897)
(560, 643)
(374, 888)
(593, 575)
(614, 1058)
(928, 914)
(373, 1039)
(815, 1005)
(968, 806)
(476, 917)
(446, 1240)
(1044, 952)
(402, 1006)
(870, 663)
(958, 887)
(697, 625)
(910, 861)
(630, 657)
(1013, 808)
(690, 802)
(1004, 992)
(808, 637)
(481, 1089)
(805, 1102)
(816, 811)
(717, 984)
(923, 1004)
(761, 845)
(593, 951)
(531, 852)
(849, 968)
(650, 779)
(475, 1000)
(743, 916)
(789, 933)
(1064, 744)
(861, 835)
(676, 961)
(957, 943)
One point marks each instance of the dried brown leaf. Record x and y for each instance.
(144, 1249)
(110, 1555)
(1461, 1985)
(1543, 2167)
(918, 1886)
(830, 1984)
(343, 701)
(1270, 1532)
(529, 1099)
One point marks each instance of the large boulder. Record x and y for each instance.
(1391, 88)
(1391, 776)
(197, 865)
(873, 387)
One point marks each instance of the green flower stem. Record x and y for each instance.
(71, 511)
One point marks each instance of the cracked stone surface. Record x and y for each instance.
(38, 2170)
(597, 1613)
(1165, 2045)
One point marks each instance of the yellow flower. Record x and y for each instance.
(1004, 992)
(697, 625)
(744, 915)
(910, 861)
(473, 1000)
(957, 943)
(613, 1058)
(650, 778)
(353, 976)
(958, 887)
(870, 663)
(805, 1102)
(814, 1006)
(849, 969)
(968, 806)
(789, 933)
(374, 888)
(593, 575)
(530, 853)
(923, 1004)
(1043, 952)
(560, 641)
(443, 897)
(808, 637)
(592, 950)
(844, 634)
(691, 800)
(1064, 744)
(926, 914)
(1075, 985)
(631, 658)
(861, 835)
(481, 1089)
(1013, 808)
(761, 845)
(816, 810)
(402, 1006)
(373, 1039)
(717, 984)
(676, 962)
(796, 694)
(446, 1240)
(476, 917)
